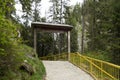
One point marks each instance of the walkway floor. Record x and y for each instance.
(63, 70)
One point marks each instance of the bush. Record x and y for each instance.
(13, 54)
(10, 65)
(28, 55)
(101, 55)
(8, 36)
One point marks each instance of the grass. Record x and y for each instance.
(10, 65)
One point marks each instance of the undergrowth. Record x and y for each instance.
(101, 55)
(10, 65)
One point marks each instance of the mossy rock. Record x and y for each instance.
(28, 68)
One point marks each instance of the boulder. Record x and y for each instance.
(28, 68)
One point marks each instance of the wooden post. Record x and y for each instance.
(68, 34)
(35, 40)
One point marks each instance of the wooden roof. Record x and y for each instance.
(51, 27)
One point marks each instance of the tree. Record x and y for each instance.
(8, 36)
(115, 33)
(97, 22)
(57, 11)
(44, 43)
(30, 14)
(7, 8)
(36, 13)
(103, 20)
(73, 17)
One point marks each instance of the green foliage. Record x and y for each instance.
(8, 36)
(57, 10)
(115, 31)
(45, 43)
(103, 29)
(10, 65)
(27, 35)
(13, 54)
(25, 54)
(27, 10)
(6, 8)
(36, 16)
(30, 13)
(101, 55)
(73, 18)
(26, 5)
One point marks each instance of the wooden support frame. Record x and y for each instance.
(48, 27)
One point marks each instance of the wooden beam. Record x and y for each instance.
(50, 26)
(52, 31)
(35, 40)
(68, 35)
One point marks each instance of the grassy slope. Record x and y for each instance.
(10, 65)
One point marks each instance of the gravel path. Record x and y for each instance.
(63, 70)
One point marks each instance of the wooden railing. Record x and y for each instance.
(99, 69)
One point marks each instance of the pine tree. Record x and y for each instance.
(30, 14)
(103, 29)
(115, 33)
(36, 13)
(98, 19)
(57, 16)
(73, 17)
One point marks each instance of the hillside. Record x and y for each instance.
(24, 65)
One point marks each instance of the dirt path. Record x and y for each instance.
(63, 70)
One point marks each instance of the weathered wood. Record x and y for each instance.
(49, 27)
(35, 39)
(68, 34)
